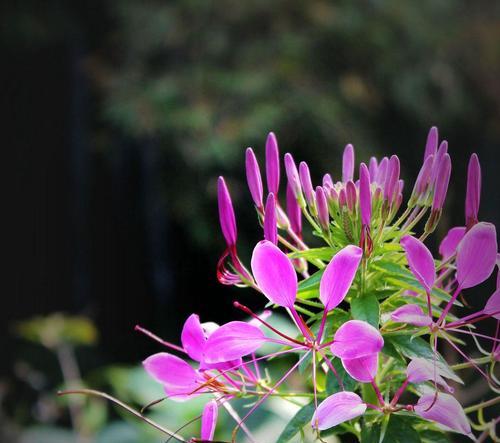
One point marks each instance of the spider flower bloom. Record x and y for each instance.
(473, 193)
(420, 261)
(362, 369)
(305, 180)
(338, 276)
(293, 177)
(274, 274)
(209, 420)
(322, 206)
(270, 223)
(432, 143)
(420, 370)
(348, 163)
(226, 213)
(254, 178)
(338, 408)
(444, 410)
(272, 164)
(355, 339)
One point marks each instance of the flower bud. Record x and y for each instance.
(272, 164)
(323, 215)
(270, 223)
(226, 213)
(473, 193)
(348, 163)
(254, 178)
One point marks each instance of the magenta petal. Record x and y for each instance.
(442, 181)
(336, 409)
(338, 276)
(473, 193)
(362, 369)
(423, 178)
(274, 273)
(293, 211)
(305, 180)
(420, 370)
(193, 337)
(272, 164)
(209, 420)
(323, 215)
(254, 178)
(476, 255)
(355, 339)
(446, 411)
(432, 142)
(348, 164)
(226, 213)
(420, 261)
(373, 168)
(233, 340)
(411, 314)
(450, 242)
(270, 222)
(493, 305)
(365, 195)
(292, 174)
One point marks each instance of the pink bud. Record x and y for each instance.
(365, 195)
(442, 181)
(305, 180)
(352, 195)
(348, 163)
(342, 198)
(209, 420)
(293, 211)
(293, 175)
(327, 181)
(391, 178)
(432, 142)
(438, 158)
(254, 178)
(336, 409)
(323, 215)
(423, 178)
(226, 213)
(473, 194)
(272, 164)
(420, 261)
(382, 171)
(492, 307)
(373, 168)
(270, 224)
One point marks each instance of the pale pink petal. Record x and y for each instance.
(476, 255)
(420, 370)
(274, 273)
(270, 222)
(231, 341)
(411, 314)
(445, 411)
(450, 242)
(493, 305)
(209, 420)
(362, 369)
(336, 409)
(193, 337)
(348, 164)
(338, 276)
(420, 261)
(264, 315)
(355, 339)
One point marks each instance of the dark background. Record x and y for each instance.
(119, 116)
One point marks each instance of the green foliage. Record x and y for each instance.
(295, 425)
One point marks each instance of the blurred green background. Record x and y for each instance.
(118, 118)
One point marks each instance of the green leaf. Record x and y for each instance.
(325, 253)
(298, 421)
(399, 430)
(370, 433)
(332, 384)
(367, 309)
(310, 286)
(428, 436)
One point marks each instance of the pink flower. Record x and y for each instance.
(411, 314)
(254, 178)
(449, 244)
(336, 409)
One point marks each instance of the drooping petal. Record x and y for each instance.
(270, 222)
(348, 163)
(420, 370)
(272, 164)
(445, 411)
(293, 175)
(432, 142)
(233, 340)
(254, 178)
(338, 276)
(362, 369)
(209, 420)
(336, 409)
(355, 339)
(226, 213)
(473, 193)
(493, 305)
(365, 195)
(420, 261)
(193, 337)
(323, 215)
(274, 273)
(476, 255)
(411, 314)
(450, 242)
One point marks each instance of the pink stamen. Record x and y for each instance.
(158, 339)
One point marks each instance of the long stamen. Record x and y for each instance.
(158, 339)
(449, 305)
(332, 368)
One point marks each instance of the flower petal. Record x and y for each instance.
(355, 339)
(272, 164)
(446, 411)
(493, 305)
(450, 242)
(226, 213)
(274, 273)
(362, 369)
(338, 276)
(476, 255)
(193, 337)
(209, 420)
(348, 163)
(336, 409)
(233, 340)
(420, 261)
(420, 370)
(411, 314)
(270, 222)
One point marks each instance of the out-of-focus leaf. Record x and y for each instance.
(299, 420)
(332, 384)
(366, 308)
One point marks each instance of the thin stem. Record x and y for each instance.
(468, 364)
(158, 339)
(482, 405)
(322, 326)
(300, 324)
(449, 305)
(377, 392)
(128, 408)
(399, 393)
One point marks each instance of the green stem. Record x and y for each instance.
(482, 405)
